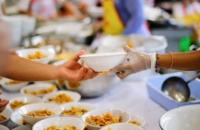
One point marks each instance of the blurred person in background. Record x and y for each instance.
(124, 17)
(43, 9)
(14, 67)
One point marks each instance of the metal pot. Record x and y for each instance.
(93, 87)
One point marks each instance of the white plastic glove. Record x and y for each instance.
(134, 62)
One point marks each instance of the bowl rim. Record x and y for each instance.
(194, 106)
(58, 111)
(125, 123)
(59, 117)
(102, 54)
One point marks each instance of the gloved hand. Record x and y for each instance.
(133, 63)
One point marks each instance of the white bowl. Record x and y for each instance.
(38, 86)
(183, 118)
(12, 87)
(25, 99)
(74, 95)
(60, 121)
(103, 62)
(86, 106)
(17, 118)
(121, 126)
(6, 113)
(48, 51)
(38, 106)
(3, 127)
(125, 116)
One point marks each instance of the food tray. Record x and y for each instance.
(154, 85)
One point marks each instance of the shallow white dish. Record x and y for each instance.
(25, 99)
(74, 95)
(38, 106)
(86, 106)
(60, 121)
(7, 114)
(182, 118)
(48, 51)
(125, 116)
(12, 87)
(121, 126)
(17, 118)
(37, 87)
(3, 127)
(103, 62)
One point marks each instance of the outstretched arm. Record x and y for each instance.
(21, 69)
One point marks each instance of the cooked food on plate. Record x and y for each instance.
(61, 128)
(41, 91)
(104, 119)
(75, 111)
(17, 104)
(61, 98)
(36, 55)
(2, 118)
(41, 113)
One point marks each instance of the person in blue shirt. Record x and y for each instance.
(132, 14)
(124, 16)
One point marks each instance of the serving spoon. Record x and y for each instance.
(177, 88)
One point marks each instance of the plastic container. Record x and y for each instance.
(154, 85)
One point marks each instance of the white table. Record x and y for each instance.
(128, 95)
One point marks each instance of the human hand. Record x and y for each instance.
(3, 104)
(133, 63)
(73, 71)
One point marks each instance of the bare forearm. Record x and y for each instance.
(21, 69)
(180, 61)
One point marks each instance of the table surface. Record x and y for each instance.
(128, 95)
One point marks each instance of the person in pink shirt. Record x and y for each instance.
(43, 9)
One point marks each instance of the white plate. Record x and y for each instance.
(3, 127)
(103, 62)
(25, 99)
(38, 106)
(121, 126)
(48, 51)
(125, 116)
(36, 87)
(6, 113)
(86, 106)
(74, 95)
(12, 87)
(183, 118)
(60, 121)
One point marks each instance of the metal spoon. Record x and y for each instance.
(177, 88)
